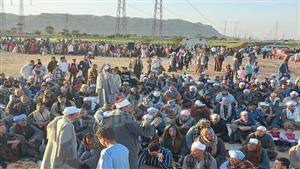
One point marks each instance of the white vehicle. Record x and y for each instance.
(269, 48)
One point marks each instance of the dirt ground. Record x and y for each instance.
(10, 64)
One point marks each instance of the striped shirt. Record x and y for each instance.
(146, 158)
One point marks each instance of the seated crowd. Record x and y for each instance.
(160, 120)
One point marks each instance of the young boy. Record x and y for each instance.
(115, 155)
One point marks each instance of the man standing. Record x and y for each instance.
(201, 61)
(137, 66)
(106, 87)
(126, 129)
(27, 69)
(114, 155)
(52, 64)
(61, 150)
(84, 66)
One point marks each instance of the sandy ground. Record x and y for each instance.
(10, 64)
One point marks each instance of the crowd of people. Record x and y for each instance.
(70, 114)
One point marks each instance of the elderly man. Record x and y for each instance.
(106, 87)
(12, 146)
(242, 127)
(219, 127)
(293, 97)
(226, 110)
(32, 135)
(61, 150)
(237, 160)
(199, 158)
(184, 121)
(266, 140)
(256, 154)
(291, 116)
(294, 156)
(127, 130)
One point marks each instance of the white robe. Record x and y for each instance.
(61, 150)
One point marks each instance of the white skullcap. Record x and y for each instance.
(294, 93)
(148, 117)
(193, 88)
(48, 79)
(237, 154)
(264, 104)
(199, 103)
(199, 146)
(253, 141)
(291, 103)
(246, 91)
(244, 112)
(70, 110)
(215, 116)
(185, 113)
(261, 128)
(152, 110)
(122, 103)
(107, 67)
(156, 94)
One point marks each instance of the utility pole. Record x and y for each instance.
(235, 28)
(21, 19)
(121, 18)
(225, 27)
(276, 30)
(158, 8)
(3, 17)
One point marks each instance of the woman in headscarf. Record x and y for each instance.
(203, 133)
(214, 145)
(173, 140)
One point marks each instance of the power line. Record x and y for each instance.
(202, 15)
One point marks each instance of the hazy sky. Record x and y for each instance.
(256, 18)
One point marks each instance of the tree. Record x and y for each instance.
(37, 32)
(65, 32)
(49, 29)
(75, 33)
(177, 39)
(14, 30)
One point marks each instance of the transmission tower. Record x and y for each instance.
(276, 30)
(66, 21)
(3, 17)
(121, 18)
(21, 20)
(158, 23)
